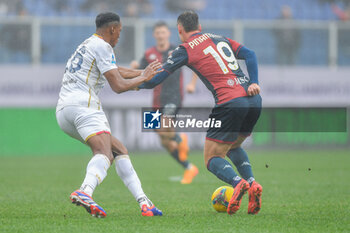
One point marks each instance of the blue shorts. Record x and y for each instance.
(238, 117)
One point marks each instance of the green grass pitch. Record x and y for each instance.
(304, 191)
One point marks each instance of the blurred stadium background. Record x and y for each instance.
(303, 49)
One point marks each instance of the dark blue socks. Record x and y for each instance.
(240, 159)
(177, 138)
(175, 155)
(223, 170)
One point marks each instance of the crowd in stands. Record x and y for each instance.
(282, 46)
(208, 9)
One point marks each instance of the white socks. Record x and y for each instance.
(128, 175)
(96, 171)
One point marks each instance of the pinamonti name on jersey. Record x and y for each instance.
(214, 59)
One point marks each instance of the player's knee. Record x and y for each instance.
(214, 149)
(118, 148)
(100, 145)
(124, 151)
(209, 155)
(121, 151)
(100, 149)
(238, 142)
(110, 157)
(208, 159)
(234, 146)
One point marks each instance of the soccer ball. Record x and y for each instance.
(221, 197)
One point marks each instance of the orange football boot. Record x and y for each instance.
(235, 202)
(80, 198)
(189, 175)
(254, 193)
(150, 211)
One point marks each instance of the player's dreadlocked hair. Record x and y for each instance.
(189, 20)
(103, 19)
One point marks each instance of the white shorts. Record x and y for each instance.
(81, 122)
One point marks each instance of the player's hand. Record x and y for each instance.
(134, 64)
(253, 89)
(190, 88)
(152, 69)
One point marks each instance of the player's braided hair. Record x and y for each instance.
(189, 20)
(103, 19)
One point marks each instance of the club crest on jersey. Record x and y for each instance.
(152, 57)
(151, 119)
(230, 82)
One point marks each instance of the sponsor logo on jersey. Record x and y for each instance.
(113, 60)
(237, 81)
(242, 80)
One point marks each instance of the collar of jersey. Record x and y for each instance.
(195, 34)
(98, 36)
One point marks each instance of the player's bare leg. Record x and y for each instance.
(214, 157)
(96, 171)
(177, 146)
(126, 172)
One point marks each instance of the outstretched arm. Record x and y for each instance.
(120, 84)
(177, 59)
(129, 72)
(156, 80)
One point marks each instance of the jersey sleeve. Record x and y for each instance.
(235, 46)
(105, 58)
(177, 59)
(251, 62)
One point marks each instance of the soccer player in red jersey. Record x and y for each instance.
(168, 96)
(238, 103)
